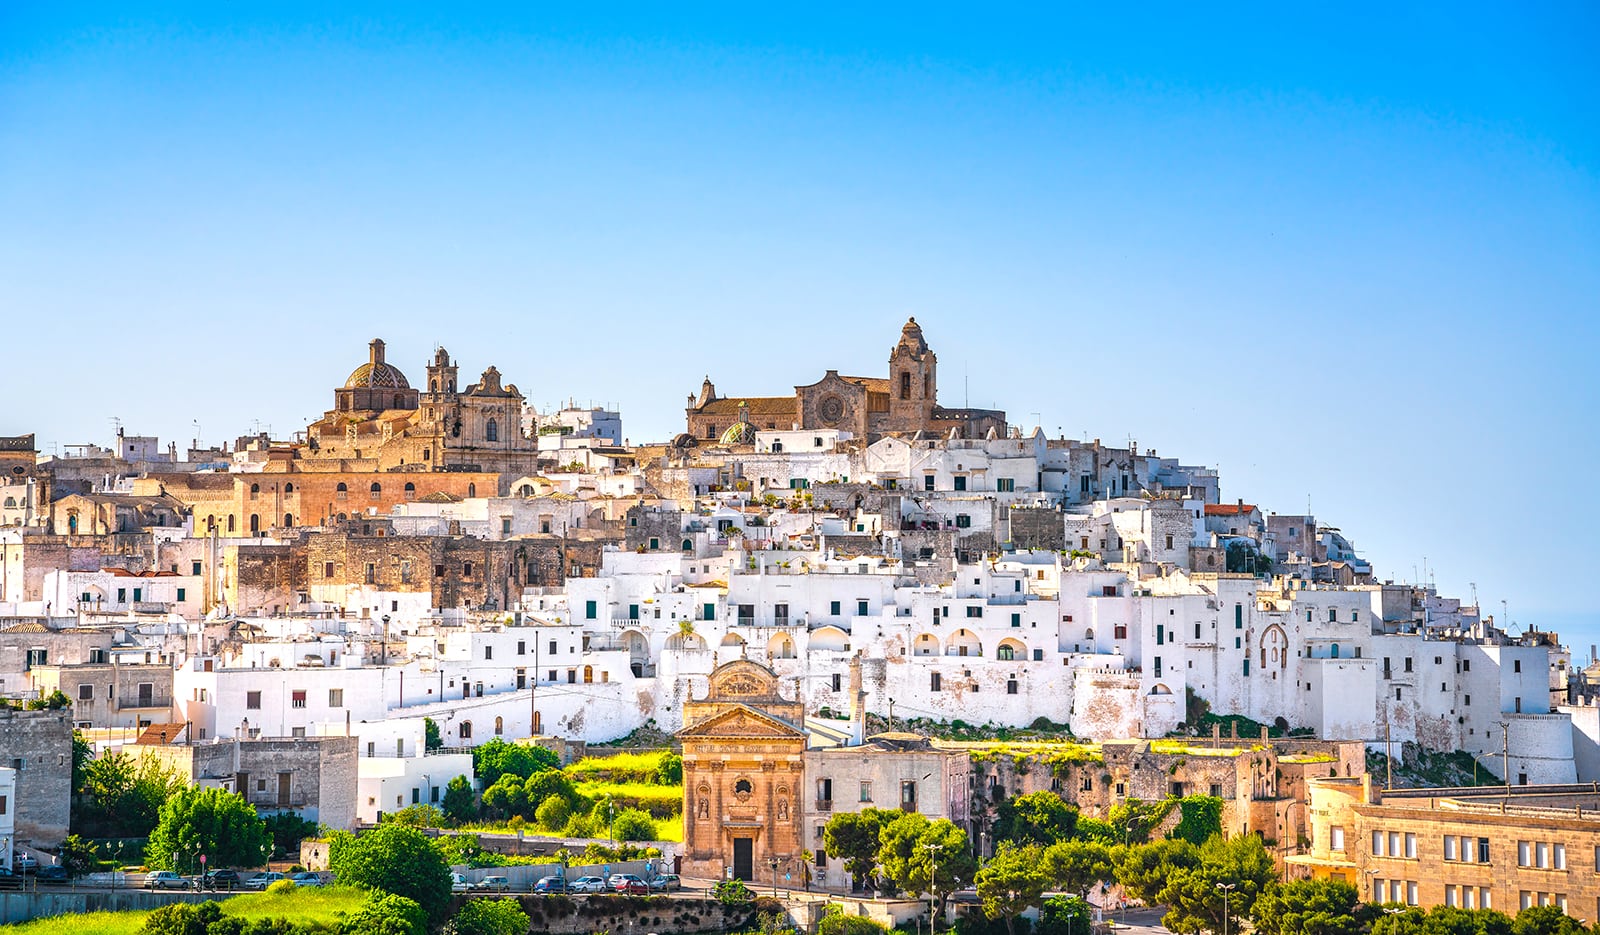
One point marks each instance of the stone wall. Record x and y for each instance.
(38, 744)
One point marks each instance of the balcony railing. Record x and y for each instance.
(824, 805)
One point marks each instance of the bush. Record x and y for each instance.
(841, 924)
(386, 915)
(976, 923)
(733, 893)
(553, 813)
(288, 830)
(670, 770)
(417, 816)
(633, 824)
(282, 887)
(491, 917)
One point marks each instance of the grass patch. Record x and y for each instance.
(622, 767)
(305, 904)
(1191, 748)
(100, 923)
(660, 801)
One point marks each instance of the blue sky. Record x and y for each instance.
(1346, 252)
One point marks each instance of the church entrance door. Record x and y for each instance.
(744, 858)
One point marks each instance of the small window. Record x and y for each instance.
(252, 700)
(297, 699)
(335, 697)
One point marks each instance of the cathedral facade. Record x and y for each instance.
(381, 423)
(903, 403)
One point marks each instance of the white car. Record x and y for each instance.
(589, 885)
(307, 878)
(263, 880)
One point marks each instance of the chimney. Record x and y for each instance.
(858, 703)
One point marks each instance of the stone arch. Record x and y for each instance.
(1160, 689)
(926, 644)
(829, 639)
(963, 642)
(732, 641)
(688, 545)
(686, 642)
(781, 646)
(1274, 647)
(1011, 648)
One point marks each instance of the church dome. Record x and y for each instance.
(377, 374)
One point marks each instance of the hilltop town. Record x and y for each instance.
(833, 597)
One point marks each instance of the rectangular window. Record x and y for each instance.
(1377, 843)
(934, 682)
(960, 482)
(590, 609)
(488, 652)
(522, 648)
(252, 700)
(1336, 838)
(1411, 845)
(85, 692)
(908, 795)
(927, 482)
(974, 611)
(861, 608)
(182, 594)
(1161, 634)
(297, 699)
(1238, 616)
(1450, 850)
(1558, 857)
(1524, 854)
(833, 608)
(866, 791)
(1483, 856)
(963, 521)
(1119, 632)
(196, 569)
(1005, 485)
(335, 697)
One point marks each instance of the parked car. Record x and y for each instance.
(549, 886)
(263, 880)
(618, 881)
(23, 863)
(9, 879)
(220, 880)
(460, 884)
(666, 883)
(55, 875)
(165, 880)
(307, 878)
(589, 885)
(496, 884)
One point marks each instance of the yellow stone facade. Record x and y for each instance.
(743, 773)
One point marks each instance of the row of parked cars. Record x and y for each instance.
(223, 880)
(626, 883)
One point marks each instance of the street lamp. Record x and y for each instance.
(1226, 889)
(933, 869)
(773, 863)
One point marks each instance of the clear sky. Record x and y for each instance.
(1343, 253)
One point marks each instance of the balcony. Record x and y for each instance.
(824, 805)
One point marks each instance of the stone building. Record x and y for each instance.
(38, 746)
(743, 772)
(380, 423)
(313, 777)
(904, 402)
(25, 489)
(109, 694)
(1488, 847)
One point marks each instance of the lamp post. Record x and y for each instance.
(1226, 889)
(773, 863)
(933, 869)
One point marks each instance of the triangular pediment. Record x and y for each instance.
(741, 721)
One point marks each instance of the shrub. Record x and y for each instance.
(282, 887)
(386, 915)
(633, 824)
(733, 893)
(491, 917)
(394, 859)
(553, 813)
(841, 924)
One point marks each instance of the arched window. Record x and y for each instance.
(472, 490)
(538, 723)
(211, 523)
(499, 726)
(377, 490)
(230, 522)
(411, 491)
(466, 730)
(1334, 652)
(341, 491)
(255, 523)
(588, 674)
(688, 545)
(72, 523)
(1005, 653)
(288, 488)
(491, 431)
(255, 490)
(11, 502)
(288, 520)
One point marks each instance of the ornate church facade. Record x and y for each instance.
(381, 423)
(903, 403)
(743, 772)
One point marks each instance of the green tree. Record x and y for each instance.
(1404, 921)
(394, 859)
(288, 830)
(55, 701)
(1546, 920)
(853, 837)
(1448, 920)
(1064, 915)
(669, 769)
(837, 923)
(1133, 820)
(1036, 818)
(553, 813)
(1308, 907)
(386, 914)
(1076, 866)
(922, 856)
(122, 796)
(1196, 903)
(491, 917)
(182, 919)
(1142, 871)
(418, 816)
(542, 784)
(78, 856)
(496, 758)
(1011, 883)
(219, 825)
(1200, 818)
(82, 753)
(458, 803)
(431, 738)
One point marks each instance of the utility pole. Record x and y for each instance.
(1505, 742)
(933, 867)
